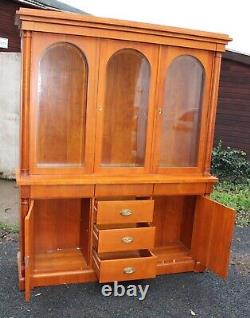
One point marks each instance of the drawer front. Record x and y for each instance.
(127, 211)
(125, 269)
(179, 188)
(127, 239)
(61, 191)
(102, 190)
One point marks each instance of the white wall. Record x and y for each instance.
(10, 64)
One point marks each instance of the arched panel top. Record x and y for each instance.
(126, 109)
(129, 52)
(64, 46)
(62, 99)
(182, 103)
(186, 59)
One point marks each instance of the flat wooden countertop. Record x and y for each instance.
(93, 179)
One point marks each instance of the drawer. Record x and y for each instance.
(179, 188)
(124, 266)
(61, 191)
(102, 190)
(126, 211)
(108, 239)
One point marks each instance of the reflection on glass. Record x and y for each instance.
(181, 110)
(125, 110)
(62, 92)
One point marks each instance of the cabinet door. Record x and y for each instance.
(212, 235)
(181, 120)
(28, 249)
(126, 89)
(62, 115)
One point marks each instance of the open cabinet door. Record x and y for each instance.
(28, 249)
(212, 235)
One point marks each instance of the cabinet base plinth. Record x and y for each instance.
(87, 275)
(174, 268)
(199, 268)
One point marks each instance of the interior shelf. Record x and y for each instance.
(60, 260)
(172, 252)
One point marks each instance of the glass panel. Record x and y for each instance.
(181, 111)
(62, 92)
(125, 110)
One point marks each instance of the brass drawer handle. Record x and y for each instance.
(125, 212)
(128, 270)
(127, 239)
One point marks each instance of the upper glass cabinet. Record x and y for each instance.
(61, 102)
(117, 107)
(184, 77)
(124, 106)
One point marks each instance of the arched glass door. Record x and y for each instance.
(124, 107)
(182, 105)
(125, 110)
(181, 113)
(64, 79)
(62, 100)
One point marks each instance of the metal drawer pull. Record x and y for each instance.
(128, 270)
(127, 239)
(125, 212)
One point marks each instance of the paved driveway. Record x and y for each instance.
(180, 295)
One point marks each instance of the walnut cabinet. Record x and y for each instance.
(117, 122)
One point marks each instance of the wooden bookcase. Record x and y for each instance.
(117, 124)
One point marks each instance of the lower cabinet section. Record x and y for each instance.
(124, 266)
(80, 240)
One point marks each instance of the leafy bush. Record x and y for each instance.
(230, 164)
(236, 196)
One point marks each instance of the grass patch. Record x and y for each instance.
(236, 196)
(9, 228)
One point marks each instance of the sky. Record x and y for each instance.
(222, 16)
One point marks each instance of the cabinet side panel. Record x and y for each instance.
(213, 108)
(187, 221)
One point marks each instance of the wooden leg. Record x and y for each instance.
(20, 272)
(27, 294)
(28, 249)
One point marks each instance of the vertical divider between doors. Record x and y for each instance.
(98, 58)
(153, 158)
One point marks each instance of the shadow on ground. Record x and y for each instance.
(180, 295)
